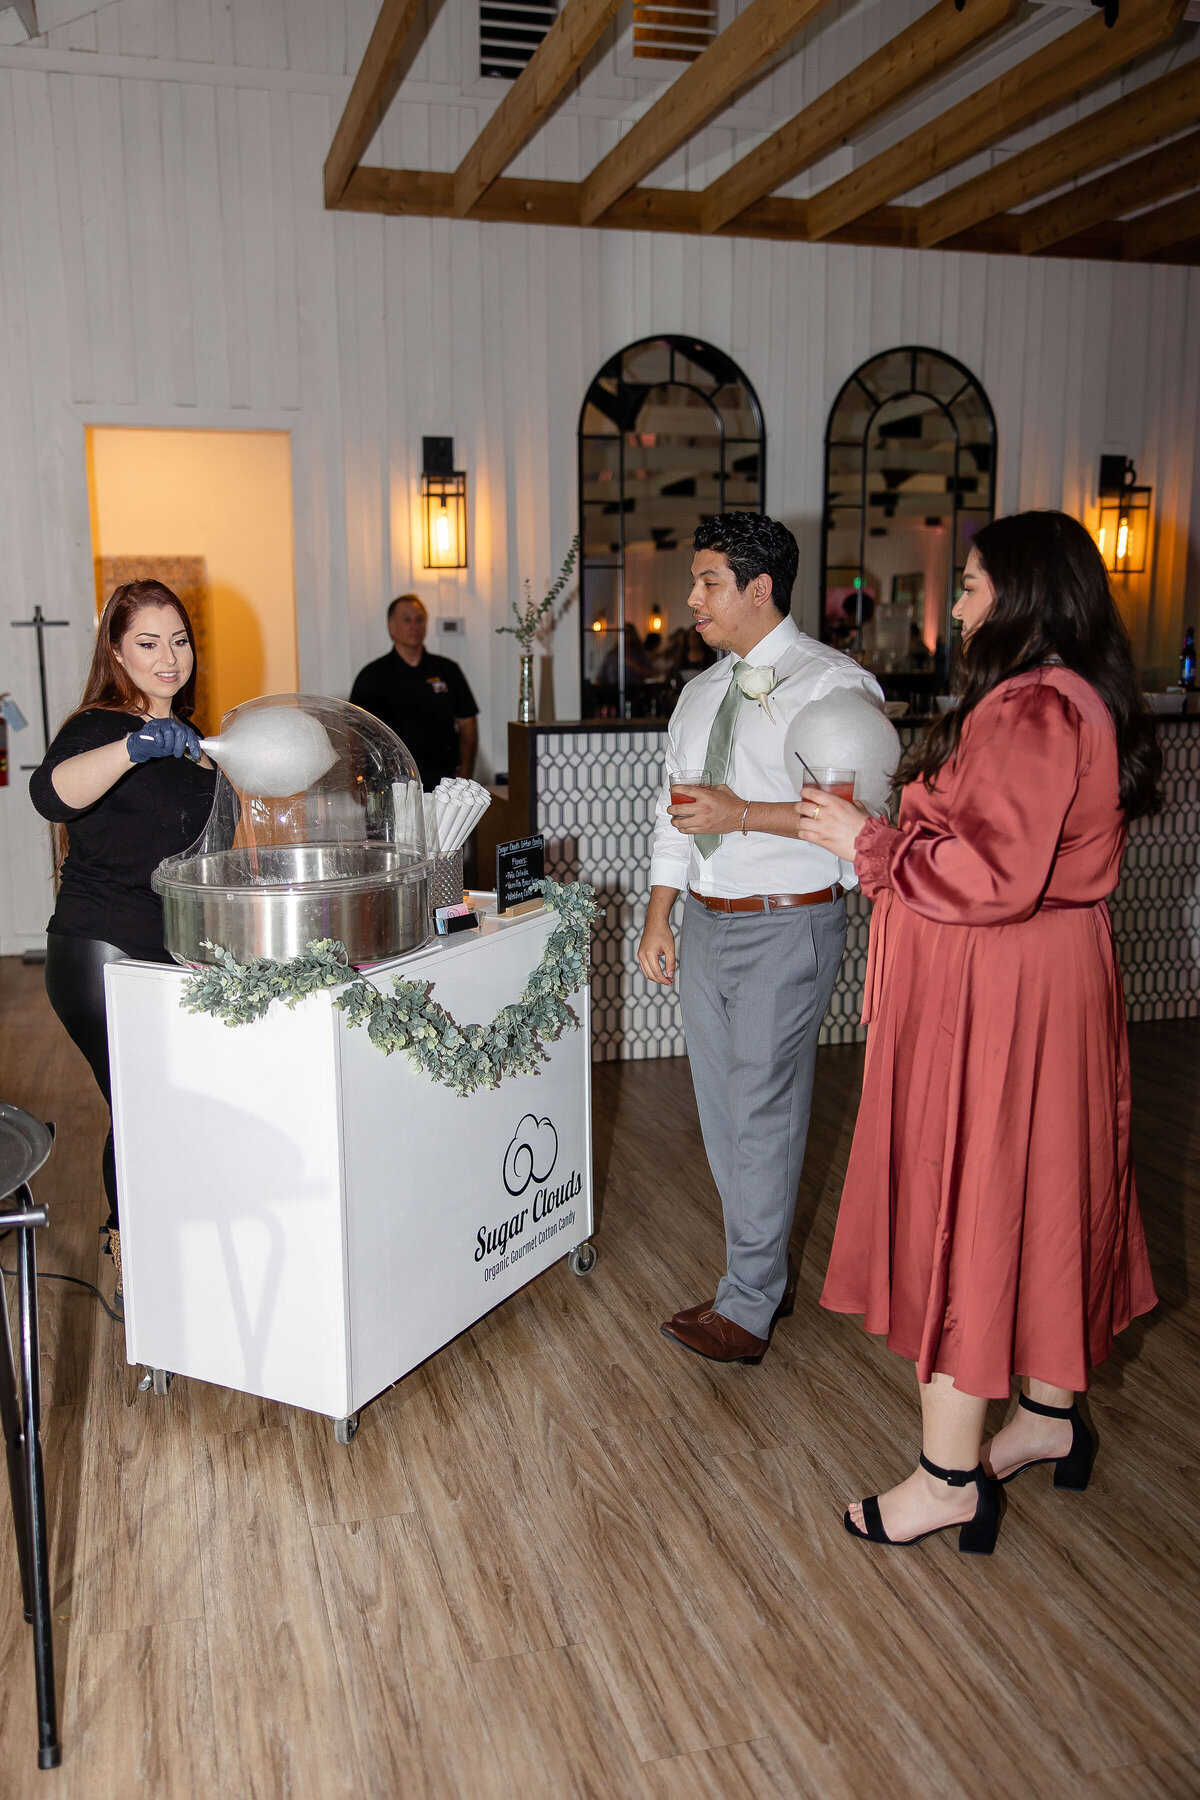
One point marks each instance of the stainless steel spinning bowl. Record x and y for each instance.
(273, 902)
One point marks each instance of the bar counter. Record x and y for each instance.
(591, 786)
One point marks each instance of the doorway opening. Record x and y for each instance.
(209, 513)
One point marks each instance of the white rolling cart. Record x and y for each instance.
(306, 1219)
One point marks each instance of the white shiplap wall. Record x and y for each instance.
(165, 259)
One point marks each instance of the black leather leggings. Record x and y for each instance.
(75, 984)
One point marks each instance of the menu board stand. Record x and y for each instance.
(519, 865)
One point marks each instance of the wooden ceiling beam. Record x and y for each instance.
(369, 95)
(1073, 62)
(422, 194)
(730, 61)
(1154, 110)
(1163, 229)
(565, 47)
(1159, 176)
(900, 66)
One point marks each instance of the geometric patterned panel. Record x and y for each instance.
(1156, 908)
(596, 793)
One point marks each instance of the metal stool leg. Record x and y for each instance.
(14, 1444)
(49, 1749)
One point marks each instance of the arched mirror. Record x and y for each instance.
(670, 430)
(910, 459)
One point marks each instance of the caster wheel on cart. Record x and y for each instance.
(344, 1430)
(582, 1260)
(158, 1380)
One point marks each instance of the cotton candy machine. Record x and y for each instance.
(317, 831)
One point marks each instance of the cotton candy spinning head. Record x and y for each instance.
(274, 751)
(845, 730)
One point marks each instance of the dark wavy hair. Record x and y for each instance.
(1052, 600)
(752, 544)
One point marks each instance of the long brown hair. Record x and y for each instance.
(108, 685)
(1052, 601)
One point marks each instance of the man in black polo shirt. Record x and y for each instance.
(425, 699)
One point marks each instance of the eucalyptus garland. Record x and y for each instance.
(462, 1057)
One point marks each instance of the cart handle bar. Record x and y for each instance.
(17, 1221)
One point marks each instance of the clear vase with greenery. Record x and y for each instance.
(534, 619)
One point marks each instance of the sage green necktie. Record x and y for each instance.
(716, 757)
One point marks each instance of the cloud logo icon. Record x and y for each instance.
(531, 1155)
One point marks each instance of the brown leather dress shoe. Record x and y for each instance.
(718, 1338)
(695, 1322)
(690, 1314)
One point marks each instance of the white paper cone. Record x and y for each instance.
(406, 799)
(468, 820)
(431, 824)
(454, 826)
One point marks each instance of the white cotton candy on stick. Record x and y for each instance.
(272, 752)
(845, 730)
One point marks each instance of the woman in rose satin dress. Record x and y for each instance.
(989, 1224)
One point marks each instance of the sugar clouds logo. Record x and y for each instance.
(532, 1154)
(529, 1162)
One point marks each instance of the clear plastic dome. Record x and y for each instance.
(317, 830)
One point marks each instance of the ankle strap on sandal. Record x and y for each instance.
(1047, 1412)
(954, 1477)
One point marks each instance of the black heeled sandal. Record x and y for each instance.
(976, 1536)
(1074, 1470)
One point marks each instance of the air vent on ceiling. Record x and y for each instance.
(673, 33)
(509, 33)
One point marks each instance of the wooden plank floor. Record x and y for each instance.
(566, 1559)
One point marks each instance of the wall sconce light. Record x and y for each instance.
(655, 622)
(600, 623)
(1123, 535)
(443, 506)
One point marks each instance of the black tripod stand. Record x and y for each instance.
(24, 1146)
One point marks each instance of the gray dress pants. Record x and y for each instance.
(754, 989)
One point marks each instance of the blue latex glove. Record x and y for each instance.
(163, 737)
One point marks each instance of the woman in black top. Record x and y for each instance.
(122, 792)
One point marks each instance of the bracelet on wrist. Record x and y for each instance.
(745, 816)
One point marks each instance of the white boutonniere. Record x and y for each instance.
(756, 684)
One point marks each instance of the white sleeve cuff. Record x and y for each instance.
(667, 870)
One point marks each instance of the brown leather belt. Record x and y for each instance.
(758, 903)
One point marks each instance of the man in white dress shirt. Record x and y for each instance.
(764, 921)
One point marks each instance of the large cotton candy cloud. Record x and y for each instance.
(531, 1155)
(273, 751)
(845, 730)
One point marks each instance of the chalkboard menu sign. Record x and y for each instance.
(518, 866)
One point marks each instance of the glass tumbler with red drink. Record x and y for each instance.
(836, 781)
(681, 780)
